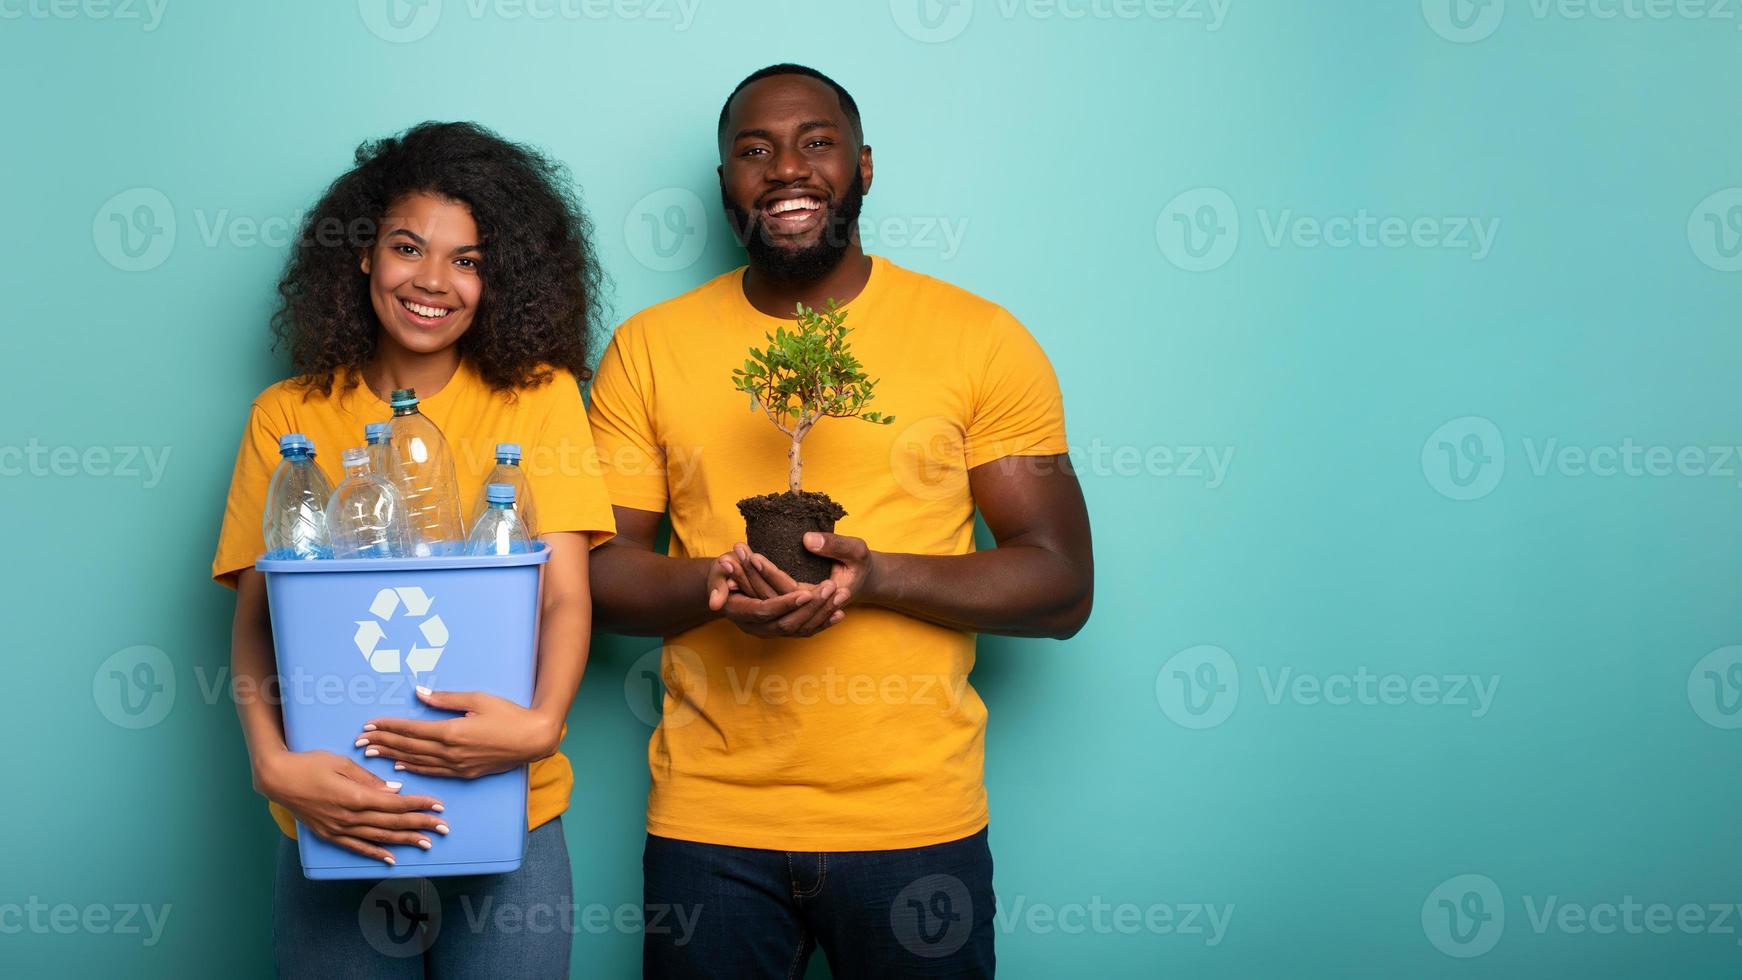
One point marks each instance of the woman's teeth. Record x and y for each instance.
(432, 312)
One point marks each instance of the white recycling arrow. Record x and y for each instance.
(369, 633)
(416, 603)
(422, 659)
(386, 601)
(435, 631)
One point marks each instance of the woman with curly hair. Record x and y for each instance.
(453, 262)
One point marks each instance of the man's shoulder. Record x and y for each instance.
(682, 310)
(909, 285)
(946, 310)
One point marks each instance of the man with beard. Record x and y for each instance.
(817, 773)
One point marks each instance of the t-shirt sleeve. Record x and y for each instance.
(622, 422)
(1018, 410)
(240, 541)
(562, 468)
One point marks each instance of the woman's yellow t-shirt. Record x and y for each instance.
(549, 422)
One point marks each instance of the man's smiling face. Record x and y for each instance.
(793, 174)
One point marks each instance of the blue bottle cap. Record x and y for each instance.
(508, 452)
(376, 432)
(295, 442)
(499, 493)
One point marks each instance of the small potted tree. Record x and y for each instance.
(805, 375)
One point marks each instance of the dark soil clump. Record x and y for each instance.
(775, 525)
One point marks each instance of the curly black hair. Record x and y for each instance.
(543, 289)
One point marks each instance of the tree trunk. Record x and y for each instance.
(794, 465)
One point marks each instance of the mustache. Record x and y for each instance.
(840, 219)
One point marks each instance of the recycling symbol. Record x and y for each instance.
(370, 632)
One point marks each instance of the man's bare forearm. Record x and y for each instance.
(1014, 590)
(639, 593)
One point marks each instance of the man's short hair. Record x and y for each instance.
(847, 103)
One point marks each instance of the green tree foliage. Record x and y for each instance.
(805, 375)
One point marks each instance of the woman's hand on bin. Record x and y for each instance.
(347, 804)
(492, 735)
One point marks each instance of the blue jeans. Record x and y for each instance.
(518, 924)
(738, 912)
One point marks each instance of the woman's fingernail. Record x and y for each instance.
(441, 828)
(395, 786)
(439, 808)
(389, 859)
(426, 692)
(399, 767)
(371, 753)
(360, 742)
(423, 843)
(368, 728)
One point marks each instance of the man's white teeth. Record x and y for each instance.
(795, 204)
(434, 312)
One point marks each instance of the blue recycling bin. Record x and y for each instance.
(355, 637)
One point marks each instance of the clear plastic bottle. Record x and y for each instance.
(499, 531)
(425, 477)
(383, 459)
(508, 471)
(366, 517)
(294, 522)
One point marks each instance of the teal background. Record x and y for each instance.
(1605, 312)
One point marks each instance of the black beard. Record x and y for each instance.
(799, 265)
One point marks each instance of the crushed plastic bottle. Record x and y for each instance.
(294, 523)
(425, 476)
(508, 471)
(499, 531)
(366, 516)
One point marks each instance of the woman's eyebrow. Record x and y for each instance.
(418, 240)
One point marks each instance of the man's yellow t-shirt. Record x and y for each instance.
(549, 422)
(866, 736)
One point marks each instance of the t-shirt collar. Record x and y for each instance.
(752, 313)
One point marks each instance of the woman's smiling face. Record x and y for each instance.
(424, 272)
